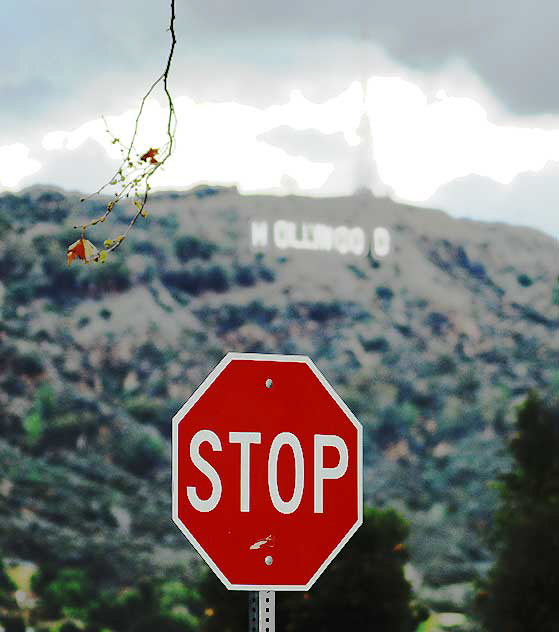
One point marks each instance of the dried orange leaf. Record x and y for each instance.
(149, 156)
(81, 249)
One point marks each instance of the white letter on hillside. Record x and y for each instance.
(259, 232)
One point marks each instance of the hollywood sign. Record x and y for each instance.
(344, 240)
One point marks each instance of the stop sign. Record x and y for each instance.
(267, 472)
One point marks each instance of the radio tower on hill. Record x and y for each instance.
(366, 171)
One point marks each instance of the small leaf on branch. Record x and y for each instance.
(149, 156)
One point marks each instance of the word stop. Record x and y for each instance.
(284, 439)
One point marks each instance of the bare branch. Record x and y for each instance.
(136, 169)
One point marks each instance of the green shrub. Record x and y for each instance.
(188, 247)
(520, 590)
(198, 279)
(33, 427)
(524, 280)
(245, 276)
(379, 344)
(384, 293)
(12, 623)
(140, 452)
(29, 364)
(216, 279)
(444, 364)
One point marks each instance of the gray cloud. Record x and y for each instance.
(311, 144)
(84, 169)
(531, 199)
(510, 43)
(69, 61)
(96, 56)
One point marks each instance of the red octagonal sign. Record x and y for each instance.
(267, 472)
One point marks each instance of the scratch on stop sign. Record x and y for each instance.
(267, 541)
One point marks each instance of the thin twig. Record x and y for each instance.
(137, 169)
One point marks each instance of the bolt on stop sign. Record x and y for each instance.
(267, 472)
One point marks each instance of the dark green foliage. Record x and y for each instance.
(64, 593)
(12, 623)
(230, 317)
(198, 279)
(363, 589)
(55, 421)
(44, 408)
(7, 587)
(467, 385)
(6, 584)
(145, 608)
(223, 610)
(29, 364)
(190, 247)
(244, 275)
(112, 276)
(379, 344)
(266, 274)
(154, 412)
(152, 604)
(324, 311)
(524, 280)
(140, 452)
(520, 593)
(444, 364)
(216, 279)
(52, 206)
(437, 322)
(384, 293)
(16, 261)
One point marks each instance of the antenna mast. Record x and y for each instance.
(366, 169)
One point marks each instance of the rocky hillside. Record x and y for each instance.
(431, 346)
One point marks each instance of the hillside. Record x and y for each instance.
(431, 346)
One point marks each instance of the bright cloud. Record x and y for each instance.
(219, 142)
(15, 164)
(419, 143)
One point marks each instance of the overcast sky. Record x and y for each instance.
(462, 97)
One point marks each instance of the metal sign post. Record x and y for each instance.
(262, 611)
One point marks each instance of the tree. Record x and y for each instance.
(7, 588)
(521, 591)
(71, 595)
(363, 589)
(11, 619)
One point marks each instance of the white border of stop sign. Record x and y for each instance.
(207, 469)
